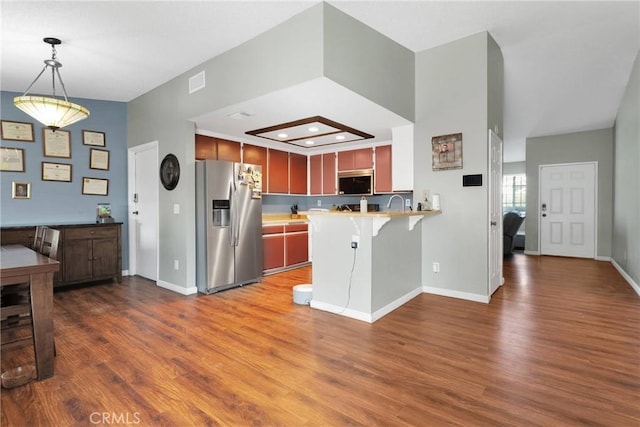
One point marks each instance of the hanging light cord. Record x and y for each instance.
(55, 65)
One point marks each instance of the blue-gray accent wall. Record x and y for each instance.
(63, 202)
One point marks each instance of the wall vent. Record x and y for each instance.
(196, 82)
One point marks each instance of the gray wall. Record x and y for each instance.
(626, 217)
(257, 67)
(452, 95)
(577, 147)
(514, 168)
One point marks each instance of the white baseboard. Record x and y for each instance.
(602, 258)
(395, 304)
(531, 252)
(456, 294)
(628, 278)
(347, 312)
(178, 289)
(125, 272)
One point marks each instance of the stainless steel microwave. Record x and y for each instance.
(359, 182)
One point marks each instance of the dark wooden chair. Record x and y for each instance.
(37, 240)
(16, 324)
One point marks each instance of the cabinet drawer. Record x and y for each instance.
(292, 228)
(272, 229)
(90, 232)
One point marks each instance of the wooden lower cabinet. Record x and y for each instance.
(285, 246)
(86, 252)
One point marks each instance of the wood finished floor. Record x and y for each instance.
(558, 345)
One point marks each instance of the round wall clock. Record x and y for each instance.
(169, 171)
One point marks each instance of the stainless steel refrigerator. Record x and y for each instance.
(228, 225)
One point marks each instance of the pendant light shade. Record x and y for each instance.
(52, 112)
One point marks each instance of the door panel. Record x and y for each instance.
(146, 220)
(568, 210)
(495, 212)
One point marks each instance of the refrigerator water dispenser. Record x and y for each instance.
(221, 213)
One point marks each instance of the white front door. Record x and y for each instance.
(495, 212)
(143, 210)
(568, 210)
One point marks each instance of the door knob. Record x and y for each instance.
(544, 215)
(493, 223)
(135, 212)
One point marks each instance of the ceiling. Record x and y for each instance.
(566, 63)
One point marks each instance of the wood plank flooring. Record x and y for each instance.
(559, 345)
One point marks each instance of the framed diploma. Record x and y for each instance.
(56, 172)
(99, 159)
(56, 144)
(17, 131)
(91, 137)
(11, 159)
(95, 186)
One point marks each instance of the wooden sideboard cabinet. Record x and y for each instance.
(87, 252)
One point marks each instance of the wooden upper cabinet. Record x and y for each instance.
(256, 155)
(210, 148)
(278, 172)
(297, 173)
(329, 173)
(382, 175)
(206, 148)
(315, 174)
(228, 150)
(355, 159)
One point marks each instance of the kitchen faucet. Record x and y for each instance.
(401, 201)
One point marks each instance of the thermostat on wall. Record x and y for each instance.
(472, 180)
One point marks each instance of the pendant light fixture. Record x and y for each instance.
(52, 112)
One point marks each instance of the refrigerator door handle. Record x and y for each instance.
(232, 215)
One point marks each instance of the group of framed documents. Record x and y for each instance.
(55, 145)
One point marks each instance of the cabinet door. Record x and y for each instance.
(228, 150)
(255, 155)
(315, 174)
(297, 248)
(105, 260)
(206, 148)
(329, 173)
(382, 174)
(78, 260)
(297, 173)
(345, 160)
(278, 172)
(273, 251)
(363, 158)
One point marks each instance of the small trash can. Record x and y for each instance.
(302, 294)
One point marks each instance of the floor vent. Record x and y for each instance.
(196, 82)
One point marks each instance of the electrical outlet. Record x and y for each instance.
(176, 209)
(176, 264)
(354, 245)
(436, 267)
(407, 202)
(319, 203)
(355, 239)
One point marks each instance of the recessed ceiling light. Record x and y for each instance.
(282, 135)
(309, 142)
(313, 129)
(340, 137)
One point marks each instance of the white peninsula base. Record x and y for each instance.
(378, 276)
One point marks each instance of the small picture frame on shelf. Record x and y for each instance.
(17, 131)
(99, 159)
(20, 190)
(92, 137)
(56, 144)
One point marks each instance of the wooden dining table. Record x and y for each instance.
(19, 265)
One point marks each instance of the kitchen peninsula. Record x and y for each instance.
(380, 274)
